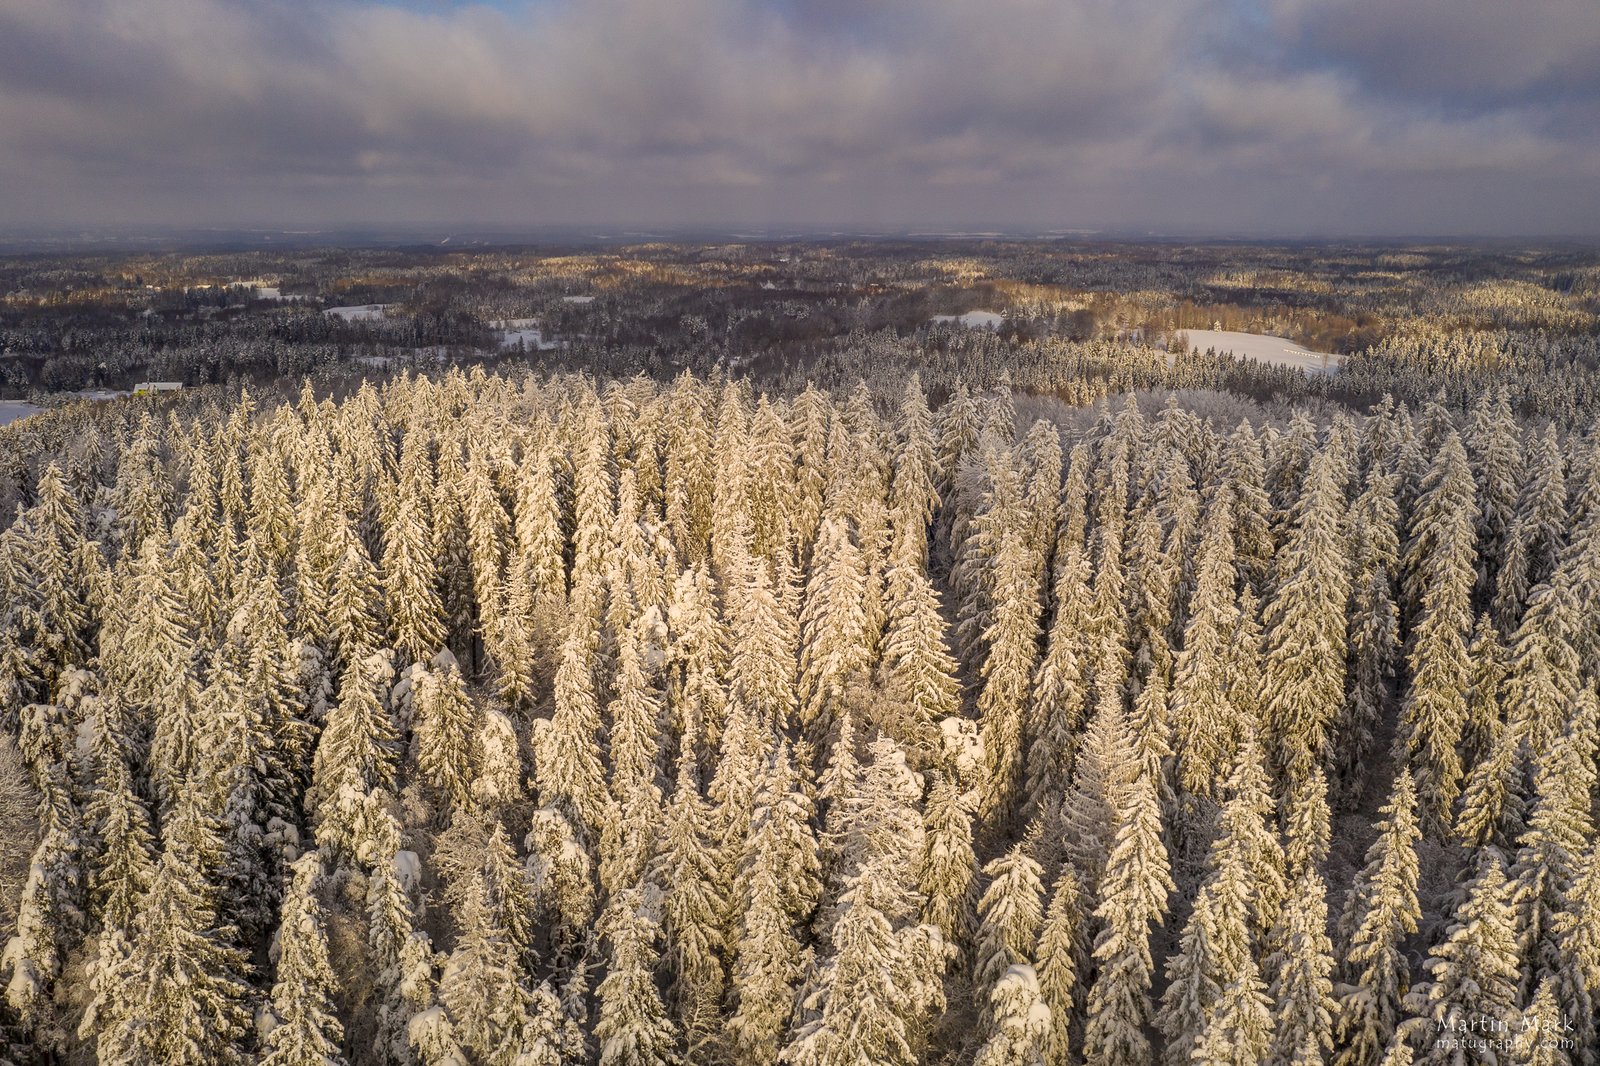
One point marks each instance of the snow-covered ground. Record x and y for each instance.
(974, 319)
(1266, 349)
(577, 299)
(11, 410)
(532, 339)
(362, 313)
(524, 332)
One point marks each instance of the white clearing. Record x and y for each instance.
(577, 299)
(524, 333)
(975, 319)
(363, 313)
(12, 410)
(1262, 348)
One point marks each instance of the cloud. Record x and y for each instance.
(1198, 114)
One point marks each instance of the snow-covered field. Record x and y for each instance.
(577, 299)
(362, 313)
(524, 332)
(11, 410)
(531, 339)
(1266, 349)
(974, 319)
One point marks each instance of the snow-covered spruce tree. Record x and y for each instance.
(1106, 757)
(402, 961)
(536, 523)
(560, 874)
(1302, 964)
(693, 905)
(120, 874)
(913, 492)
(728, 503)
(49, 916)
(688, 469)
(1009, 914)
(1543, 672)
(809, 415)
(1008, 674)
(635, 748)
(633, 1028)
(1549, 852)
(1441, 564)
(187, 1000)
(874, 816)
(1244, 471)
(1060, 688)
(1374, 628)
(445, 732)
(834, 648)
(761, 666)
(947, 868)
(1542, 1040)
(918, 671)
(594, 505)
(356, 753)
(1380, 911)
(1226, 931)
(1540, 529)
(1063, 963)
(769, 459)
(1240, 1025)
(1305, 627)
(1204, 721)
(874, 993)
(779, 888)
(1133, 897)
(696, 660)
(1022, 1021)
(567, 760)
(305, 1030)
(1575, 978)
(59, 569)
(152, 665)
(1473, 986)
(492, 1011)
(1496, 457)
(410, 580)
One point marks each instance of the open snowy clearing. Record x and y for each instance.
(11, 410)
(1263, 348)
(974, 319)
(362, 313)
(577, 299)
(531, 339)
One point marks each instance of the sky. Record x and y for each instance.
(1203, 117)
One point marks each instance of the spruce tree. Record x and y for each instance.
(1305, 627)
(633, 1028)
(1204, 720)
(1473, 985)
(1440, 564)
(1009, 914)
(1062, 963)
(1302, 992)
(1133, 897)
(1020, 1032)
(305, 1030)
(1379, 912)
(694, 901)
(188, 1000)
(946, 871)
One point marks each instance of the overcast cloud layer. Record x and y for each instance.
(1202, 116)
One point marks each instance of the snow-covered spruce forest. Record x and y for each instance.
(530, 720)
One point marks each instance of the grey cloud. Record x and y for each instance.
(886, 112)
